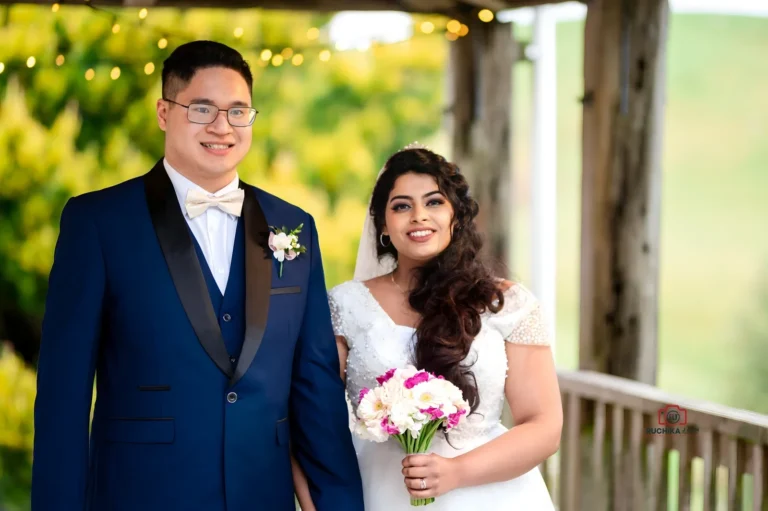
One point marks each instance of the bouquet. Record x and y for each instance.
(409, 405)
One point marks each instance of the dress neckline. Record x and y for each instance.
(378, 306)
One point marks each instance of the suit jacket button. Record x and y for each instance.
(232, 397)
(226, 317)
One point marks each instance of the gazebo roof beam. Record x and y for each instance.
(424, 6)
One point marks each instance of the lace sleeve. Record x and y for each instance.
(521, 321)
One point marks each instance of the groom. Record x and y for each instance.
(210, 366)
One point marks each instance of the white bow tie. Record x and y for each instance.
(198, 202)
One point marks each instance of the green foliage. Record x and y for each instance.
(17, 398)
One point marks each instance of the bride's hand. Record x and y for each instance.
(439, 475)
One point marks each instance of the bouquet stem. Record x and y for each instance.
(419, 445)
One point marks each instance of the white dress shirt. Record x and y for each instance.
(214, 229)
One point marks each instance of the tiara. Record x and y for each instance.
(416, 145)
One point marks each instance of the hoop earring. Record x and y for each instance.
(381, 240)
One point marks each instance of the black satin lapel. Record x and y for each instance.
(258, 280)
(184, 266)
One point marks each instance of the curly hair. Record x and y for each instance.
(455, 287)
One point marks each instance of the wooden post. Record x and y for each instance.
(481, 86)
(621, 186)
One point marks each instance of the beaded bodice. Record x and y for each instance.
(377, 344)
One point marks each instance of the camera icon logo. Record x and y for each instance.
(673, 415)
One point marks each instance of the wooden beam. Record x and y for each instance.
(624, 76)
(493, 5)
(481, 74)
(450, 7)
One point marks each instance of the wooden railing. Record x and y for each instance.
(624, 447)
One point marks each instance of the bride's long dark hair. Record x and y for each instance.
(454, 288)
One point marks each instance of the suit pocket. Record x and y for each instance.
(154, 388)
(141, 431)
(283, 431)
(285, 290)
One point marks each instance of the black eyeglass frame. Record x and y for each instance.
(218, 110)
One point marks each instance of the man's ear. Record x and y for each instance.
(162, 113)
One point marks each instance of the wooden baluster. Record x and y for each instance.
(757, 469)
(718, 446)
(569, 472)
(764, 466)
(636, 461)
(598, 490)
(708, 486)
(618, 472)
(659, 473)
(683, 444)
(735, 471)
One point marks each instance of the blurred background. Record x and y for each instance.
(337, 94)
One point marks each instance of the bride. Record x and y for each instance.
(422, 296)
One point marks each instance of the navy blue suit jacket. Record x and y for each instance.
(180, 423)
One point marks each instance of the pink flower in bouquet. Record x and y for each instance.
(384, 378)
(435, 413)
(420, 377)
(454, 418)
(389, 428)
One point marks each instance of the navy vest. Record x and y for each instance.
(229, 307)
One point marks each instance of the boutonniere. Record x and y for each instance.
(285, 245)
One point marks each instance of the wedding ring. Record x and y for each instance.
(423, 484)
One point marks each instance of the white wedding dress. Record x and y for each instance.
(377, 344)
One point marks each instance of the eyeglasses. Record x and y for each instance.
(203, 113)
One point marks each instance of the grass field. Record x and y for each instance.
(714, 241)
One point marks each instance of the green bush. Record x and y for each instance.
(17, 400)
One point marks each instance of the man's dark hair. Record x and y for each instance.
(189, 58)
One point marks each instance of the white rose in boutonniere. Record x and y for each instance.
(285, 245)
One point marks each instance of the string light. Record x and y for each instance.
(453, 30)
(485, 15)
